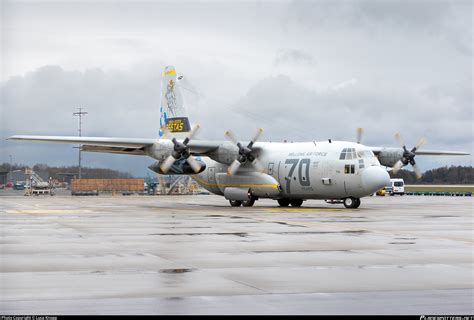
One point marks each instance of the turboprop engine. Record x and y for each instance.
(180, 166)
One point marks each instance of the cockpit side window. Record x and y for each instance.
(348, 154)
(365, 154)
(343, 154)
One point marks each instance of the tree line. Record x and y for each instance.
(443, 175)
(58, 172)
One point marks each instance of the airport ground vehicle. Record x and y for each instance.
(243, 172)
(396, 186)
(19, 186)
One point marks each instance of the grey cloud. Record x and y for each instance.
(387, 66)
(293, 112)
(289, 56)
(42, 103)
(126, 104)
(423, 14)
(448, 21)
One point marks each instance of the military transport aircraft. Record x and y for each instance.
(340, 171)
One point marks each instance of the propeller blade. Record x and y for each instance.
(166, 165)
(399, 139)
(359, 134)
(417, 171)
(193, 132)
(231, 137)
(258, 165)
(194, 164)
(397, 166)
(233, 168)
(257, 135)
(420, 143)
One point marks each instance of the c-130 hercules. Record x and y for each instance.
(244, 172)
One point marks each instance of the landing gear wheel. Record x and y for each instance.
(248, 203)
(351, 203)
(235, 203)
(296, 202)
(284, 202)
(357, 203)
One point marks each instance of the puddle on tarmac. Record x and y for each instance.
(176, 271)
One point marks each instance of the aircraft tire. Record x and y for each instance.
(235, 203)
(248, 203)
(284, 202)
(357, 203)
(351, 202)
(296, 202)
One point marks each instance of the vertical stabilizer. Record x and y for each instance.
(172, 111)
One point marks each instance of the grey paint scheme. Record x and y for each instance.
(303, 170)
(298, 174)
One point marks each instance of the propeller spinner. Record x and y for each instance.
(180, 149)
(245, 153)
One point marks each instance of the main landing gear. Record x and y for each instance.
(287, 202)
(351, 203)
(246, 203)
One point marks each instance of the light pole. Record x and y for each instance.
(11, 168)
(80, 114)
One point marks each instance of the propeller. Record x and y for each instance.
(359, 134)
(180, 149)
(245, 153)
(408, 156)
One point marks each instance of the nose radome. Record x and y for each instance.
(374, 178)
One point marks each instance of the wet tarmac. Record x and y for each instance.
(198, 255)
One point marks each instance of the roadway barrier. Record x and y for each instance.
(438, 193)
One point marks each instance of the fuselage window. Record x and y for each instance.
(349, 169)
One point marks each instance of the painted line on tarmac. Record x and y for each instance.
(50, 211)
(306, 210)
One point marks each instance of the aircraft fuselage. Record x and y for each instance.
(309, 170)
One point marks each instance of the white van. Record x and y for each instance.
(397, 186)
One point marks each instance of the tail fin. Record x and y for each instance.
(172, 111)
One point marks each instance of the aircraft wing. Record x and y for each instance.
(132, 146)
(378, 150)
(93, 141)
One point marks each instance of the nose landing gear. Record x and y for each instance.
(351, 203)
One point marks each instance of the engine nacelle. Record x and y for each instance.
(160, 150)
(179, 167)
(226, 153)
(389, 156)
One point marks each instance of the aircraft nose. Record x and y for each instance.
(374, 178)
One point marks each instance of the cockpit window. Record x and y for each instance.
(365, 154)
(348, 154)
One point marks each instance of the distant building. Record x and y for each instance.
(3, 176)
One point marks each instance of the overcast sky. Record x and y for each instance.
(302, 70)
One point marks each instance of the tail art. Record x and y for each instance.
(172, 111)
